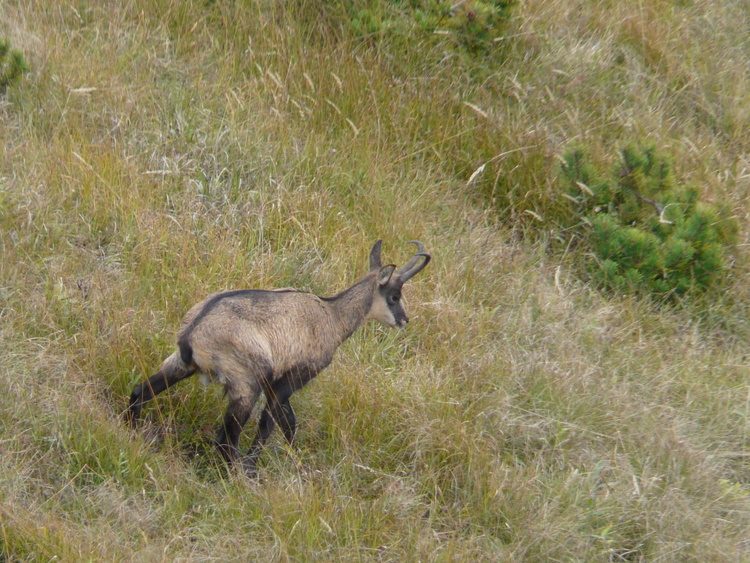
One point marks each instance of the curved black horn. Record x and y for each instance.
(410, 264)
(408, 270)
(375, 262)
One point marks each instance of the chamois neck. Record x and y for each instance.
(351, 306)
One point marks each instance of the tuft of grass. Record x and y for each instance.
(164, 150)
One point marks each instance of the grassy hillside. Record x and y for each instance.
(160, 150)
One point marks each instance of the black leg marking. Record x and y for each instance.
(167, 376)
(277, 411)
(285, 418)
(265, 427)
(228, 438)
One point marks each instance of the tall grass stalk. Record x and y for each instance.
(158, 151)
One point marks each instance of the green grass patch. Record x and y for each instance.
(159, 151)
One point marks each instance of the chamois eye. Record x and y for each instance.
(395, 299)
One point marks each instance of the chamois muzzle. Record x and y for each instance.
(413, 266)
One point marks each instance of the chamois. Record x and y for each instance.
(273, 342)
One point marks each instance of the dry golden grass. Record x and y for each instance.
(161, 150)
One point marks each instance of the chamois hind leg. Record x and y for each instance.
(171, 371)
(243, 392)
(228, 437)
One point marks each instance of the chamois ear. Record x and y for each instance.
(385, 273)
(375, 262)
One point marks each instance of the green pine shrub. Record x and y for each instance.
(644, 232)
(12, 65)
(471, 25)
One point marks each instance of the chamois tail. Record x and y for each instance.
(186, 351)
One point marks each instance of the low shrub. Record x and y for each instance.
(12, 65)
(471, 25)
(644, 232)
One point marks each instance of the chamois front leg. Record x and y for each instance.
(277, 411)
(273, 413)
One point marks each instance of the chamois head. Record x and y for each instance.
(386, 305)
